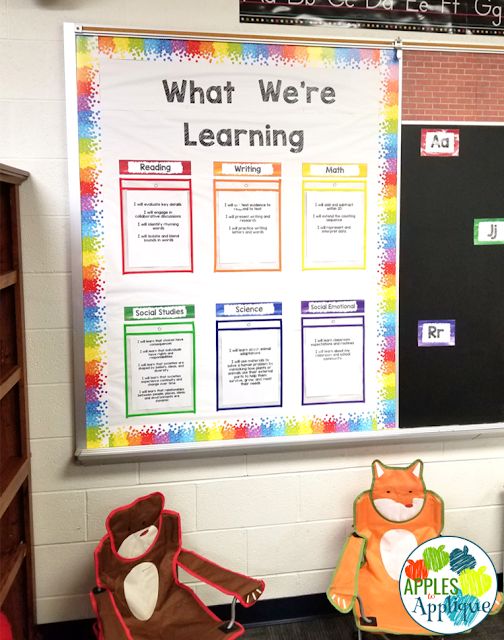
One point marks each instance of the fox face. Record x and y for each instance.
(398, 494)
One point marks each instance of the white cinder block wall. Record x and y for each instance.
(281, 516)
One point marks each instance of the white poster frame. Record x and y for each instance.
(222, 447)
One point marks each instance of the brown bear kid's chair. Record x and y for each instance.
(138, 594)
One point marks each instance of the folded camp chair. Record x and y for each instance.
(139, 595)
(390, 520)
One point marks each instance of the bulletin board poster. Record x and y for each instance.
(238, 226)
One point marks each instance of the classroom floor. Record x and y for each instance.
(342, 628)
(332, 627)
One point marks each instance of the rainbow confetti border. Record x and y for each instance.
(89, 51)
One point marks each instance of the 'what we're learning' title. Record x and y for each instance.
(189, 92)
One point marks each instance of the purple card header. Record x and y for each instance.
(309, 307)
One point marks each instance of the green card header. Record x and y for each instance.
(171, 311)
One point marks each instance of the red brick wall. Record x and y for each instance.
(440, 85)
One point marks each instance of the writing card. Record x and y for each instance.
(247, 226)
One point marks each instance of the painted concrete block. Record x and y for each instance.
(50, 409)
(247, 502)
(47, 301)
(195, 469)
(64, 569)
(54, 468)
(305, 546)
(59, 517)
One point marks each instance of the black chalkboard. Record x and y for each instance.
(443, 275)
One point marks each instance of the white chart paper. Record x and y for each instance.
(249, 364)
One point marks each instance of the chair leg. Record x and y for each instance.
(363, 618)
(231, 622)
(362, 614)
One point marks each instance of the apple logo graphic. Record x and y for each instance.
(475, 582)
(436, 558)
(461, 559)
(460, 609)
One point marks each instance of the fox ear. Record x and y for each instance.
(378, 469)
(416, 468)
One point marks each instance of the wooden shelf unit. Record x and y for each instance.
(16, 573)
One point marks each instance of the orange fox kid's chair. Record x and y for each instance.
(390, 520)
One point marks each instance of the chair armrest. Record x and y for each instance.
(246, 589)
